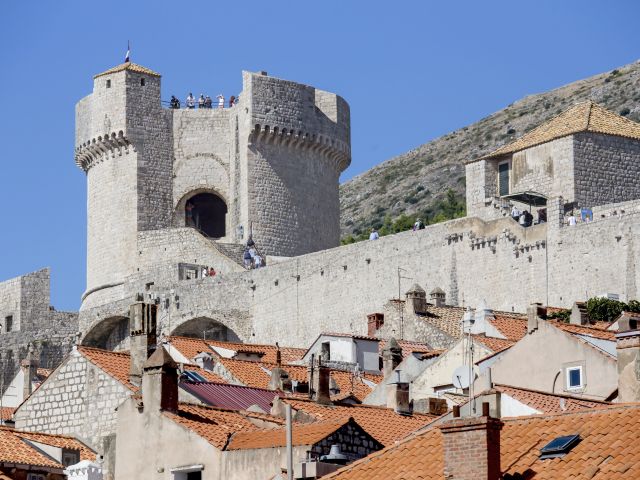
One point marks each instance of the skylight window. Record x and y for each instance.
(559, 447)
(194, 377)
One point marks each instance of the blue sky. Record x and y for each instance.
(411, 71)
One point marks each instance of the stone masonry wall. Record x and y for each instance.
(607, 169)
(35, 323)
(78, 399)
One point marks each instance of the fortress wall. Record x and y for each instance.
(481, 186)
(112, 205)
(293, 200)
(301, 309)
(594, 258)
(11, 300)
(607, 168)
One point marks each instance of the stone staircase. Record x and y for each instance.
(234, 251)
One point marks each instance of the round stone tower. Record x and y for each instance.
(168, 186)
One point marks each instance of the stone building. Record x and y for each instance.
(28, 321)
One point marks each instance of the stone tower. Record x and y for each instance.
(267, 166)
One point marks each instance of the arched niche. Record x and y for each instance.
(205, 211)
(207, 328)
(110, 334)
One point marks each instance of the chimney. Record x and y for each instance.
(142, 325)
(533, 316)
(375, 321)
(438, 297)
(398, 396)
(579, 314)
(628, 352)
(431, 405)
(391, 357)
(160, 382)
(471, 447)
(280, 380)
(319, 376)
(481, 318)
(29, 368)
(417, 299)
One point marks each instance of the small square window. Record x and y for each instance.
(574, 378)
(108, 83)
(142, 82)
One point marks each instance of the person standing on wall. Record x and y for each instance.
(220, 101)
(201, 101)
(374, 234)
(191, 101)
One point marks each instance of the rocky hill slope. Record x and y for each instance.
(416, 183)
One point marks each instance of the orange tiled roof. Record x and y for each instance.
(512, 326)
(302, 434)
(547, 402)
(445, 318)
(410, 347)
(190, 347)
(383, 424)
(215, 425)
(494, 344)
(14, 450)
(585, 330)
(608, 449)
(132, 67)
(6, 413)
(582, 117)
(116, 364)
(43, 372)
(255, 374)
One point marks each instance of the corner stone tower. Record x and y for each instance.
(267, 166)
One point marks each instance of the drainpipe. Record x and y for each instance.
(289, 443)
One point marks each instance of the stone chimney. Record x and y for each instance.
(398, 396)
(579, 314)
(143, 339)
(160, 382)
(280, 380)
(391, 357)
(534, 312)
(628, 352)
(29, 367)
(319, 376)
(432, 405)
(205, 361)
(438, 297)
(471, 447)
(417, 299)
(375, 321)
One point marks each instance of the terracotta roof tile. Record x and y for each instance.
(383, 424)
(132, 67)
(548, 403)
(116, 364)
(582, 117)
(301, 433)
(13, 448)
(213, 424)
(513, 326)
(257, 374)
(410, 347)
(608, 449)
(445, 318)
(190, 347)
(494, 344)
(589, 331)
(6, 413)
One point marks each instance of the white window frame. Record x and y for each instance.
(568, 371)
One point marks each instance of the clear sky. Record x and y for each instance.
(410, 70)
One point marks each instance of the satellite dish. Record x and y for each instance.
(461, 377)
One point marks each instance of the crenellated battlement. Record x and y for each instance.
(101, 148)
(337, 151)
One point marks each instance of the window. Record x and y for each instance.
(70, 457)
(503, 178)
(559, 447)
(325, 351)
(142, 82)
(108, 83)
(192, 472)
(574, 378)
(36, 476)
(8, 323)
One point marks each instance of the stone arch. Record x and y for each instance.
(109, 334)
(206, 210)
(205, 327)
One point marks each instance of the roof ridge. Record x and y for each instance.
(123, 353)
(542, 392)
(349, 405)
(584, 411)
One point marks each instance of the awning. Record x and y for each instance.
(530, 198)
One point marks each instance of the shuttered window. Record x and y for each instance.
(503, 178)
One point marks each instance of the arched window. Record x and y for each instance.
(206, 212)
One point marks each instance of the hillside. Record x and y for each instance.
(416, 183)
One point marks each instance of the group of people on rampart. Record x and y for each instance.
(204, 101)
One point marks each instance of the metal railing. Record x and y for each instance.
(179, 104)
